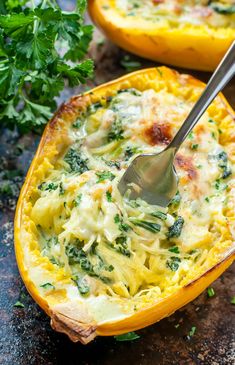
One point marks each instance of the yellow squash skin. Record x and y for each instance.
(53, 138)
(194, 47)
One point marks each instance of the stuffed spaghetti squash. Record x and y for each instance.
(101, 264)
(191, 34)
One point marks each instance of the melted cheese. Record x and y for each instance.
(177, 12)
(109, 245)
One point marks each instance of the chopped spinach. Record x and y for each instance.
(223, 8)
(174, 249)
(61, 189)
(108, 196)
(48, 186)
(220, 185)
(77, 124)
(176, 228)
(175, 202)
(76, 255)
(121, 246)
(47, 286)
(116, 132)
(223, 164)
(113, 163)
(160, 215)
(82, 285)
(130, 151)
(130, 336)
(149, 226)
(121, 225)
(76, 162)
(77, 200)
(104, 175)
(173, 263)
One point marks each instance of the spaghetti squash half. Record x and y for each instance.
(102, 264)
(190, 34)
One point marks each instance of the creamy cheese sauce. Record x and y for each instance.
(111, 245)
(176, 12)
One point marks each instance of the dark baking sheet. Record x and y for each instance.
(25, 334)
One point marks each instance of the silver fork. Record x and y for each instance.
(152, 177)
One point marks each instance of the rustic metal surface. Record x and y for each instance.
(25, 334)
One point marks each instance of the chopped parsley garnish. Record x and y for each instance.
(112, 163)
(149, 226)
(192, 331)
(194, 146)
(173, 263)
(211, 120)
(176, 228)
(232, 301)
(76, 162)
(77, 200)
(160, 215)
(47, 286)
(207, 199)
(130, 336)
(210, 292)
(191, 135)
(108, 196)
(128, 63)
(104, 175)
(18, 304)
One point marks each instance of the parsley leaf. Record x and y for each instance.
(130, 336)
(36, 43)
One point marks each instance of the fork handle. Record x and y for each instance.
(222, 75)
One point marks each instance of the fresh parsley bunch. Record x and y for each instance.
(40, 47)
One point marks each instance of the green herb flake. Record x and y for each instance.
(175, 202)
(211, 121)
(130, 336)
(232, 301)
(109, 196)
(18, 304)
(194, 146)
(130, 64)
(191, 135)
(192, 331)
(104, 175)
(47, 286)
(210, 292)
(207, 199)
